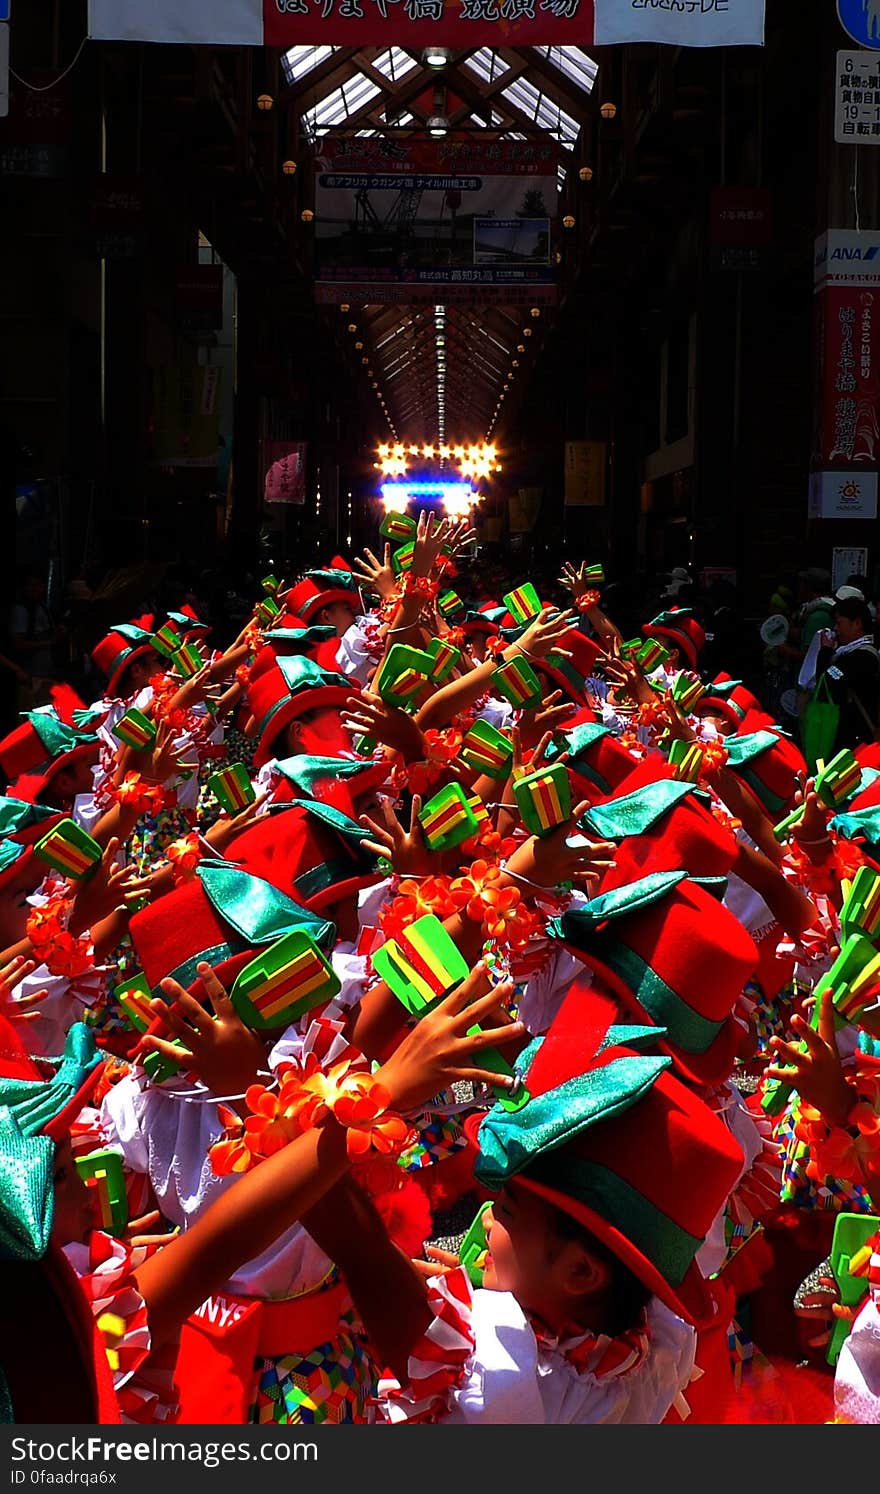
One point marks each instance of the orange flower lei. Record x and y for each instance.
(252, 637)
(60, 951)
(852, 1151)
(184, 855)
(164, 688)
(414, 900)
(499, 909)
(587, 600)
(495, 646)
(306, 1096)
(420, 586)
(841, 863)
(134, 793)
(489, 844)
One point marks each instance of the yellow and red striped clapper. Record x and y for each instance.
(102, 1173)
(447, 819)
(422, 966)
(188, 659)
(284, 982)
(837, 780)
(518, 683)
(860, 910)
(167, 639)
(232, 788)
(69, 849)
(135, 730)
(133, 997)
(398, 527)
(446, 658)
(652, 655)
(487, 750)
(403, 673)
(543, 798)
(523, 603)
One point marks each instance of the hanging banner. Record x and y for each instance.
(285, 480)
(461, 219)
(585, 474)
(416, 23)
(187, 416)
(847, 339)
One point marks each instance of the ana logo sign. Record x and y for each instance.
(850, 253)
(861, 20)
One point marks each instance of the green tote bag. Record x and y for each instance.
(820, 719)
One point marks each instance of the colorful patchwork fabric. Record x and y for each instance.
(332, 1385)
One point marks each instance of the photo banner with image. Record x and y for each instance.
(422, 220)
(417, 23)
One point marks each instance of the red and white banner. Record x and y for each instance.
(847, 339)
(416, 23)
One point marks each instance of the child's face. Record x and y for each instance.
(338, 615)
(519, 1243)
(73, 1218)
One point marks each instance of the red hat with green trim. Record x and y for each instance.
(613, 1139)
(597, 764)
(485, 619)
(676, 958)
(319, 589)
(660, 825)
(311, 851)
(727, 698)
(121, 646)
(769, 764)
(338, 781)
(572, 674)
(679, 628)
(224, 915)
(41, 746)
(289, 688)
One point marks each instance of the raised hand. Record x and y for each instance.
(405, 849)
(545, 633)
(544, 720)
(565, 855)
(368, 715)
(224, 830)
(108, 889)
(437, 1052)
(431, 535)
(220, 1050)
(165, 760)
(813, 1067)
(573, 580)
(22, 1008)
(376, 575)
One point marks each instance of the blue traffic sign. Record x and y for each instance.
(4, 9)
(859, 18)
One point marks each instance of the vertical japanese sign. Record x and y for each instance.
(847, 426)
(285, 480)
(584, 474)
(187, 416)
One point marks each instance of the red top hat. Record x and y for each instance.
(121, 646)
(669, 830)
(479, 622)
(571, 674)
(223, 916)
(770, 765)
(301, 851)
(676, 958)
(681, 630)
(38, 748)
(319, 588)
(340, 783)
(620, 1145)
(732, 703)
(598, 765)
(288, 688)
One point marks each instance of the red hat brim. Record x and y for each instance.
(113, 682)
(692, 1300)
(681, 641)
(297, 705)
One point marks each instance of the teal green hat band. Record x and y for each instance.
(668, 1247)
(329, 874)
(636, 813)
(686, 1028)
